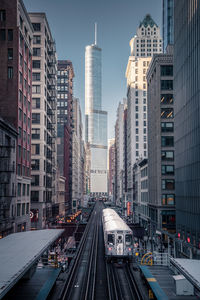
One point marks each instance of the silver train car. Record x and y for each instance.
(118, 237)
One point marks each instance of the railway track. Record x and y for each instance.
(121, 283)
(80, 283)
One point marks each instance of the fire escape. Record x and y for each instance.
(7, 188)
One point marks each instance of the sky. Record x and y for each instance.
(72, 27)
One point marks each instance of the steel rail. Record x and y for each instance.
(90, 285)
(68, 282)
(132, 280)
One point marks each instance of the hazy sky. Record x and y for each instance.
(72, 26)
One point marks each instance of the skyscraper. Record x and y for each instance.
(95, 120)
(187, 123)
(143, 45)
(168, 23)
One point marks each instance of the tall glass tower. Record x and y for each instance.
(95, 120)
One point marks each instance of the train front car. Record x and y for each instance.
(118, 237)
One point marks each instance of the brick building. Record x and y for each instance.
(16, 34)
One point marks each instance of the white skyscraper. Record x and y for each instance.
(95, 120)
(143, 45)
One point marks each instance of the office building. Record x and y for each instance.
(187, 124)
(65, 126)
(143, 45)
(95, 121)
(111, 167)
(119, 154)
(168, 23)
(161, 173)
(44, 127)
(16, 33)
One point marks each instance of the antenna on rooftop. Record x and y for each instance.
(95, 36)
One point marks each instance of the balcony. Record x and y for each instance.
(51, 75)
(51, 87)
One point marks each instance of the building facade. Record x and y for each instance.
(168, 23)
(77, 157)
(119, 154)
(65, 126)
(9, 209)
(44, 127)
(161, 169)
(16, 33)
(187, 124)
(111, 168)
(95, 121)
(143, 45)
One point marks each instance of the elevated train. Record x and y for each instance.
(118, 237)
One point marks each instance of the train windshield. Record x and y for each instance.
(128, 239)
(111, 239)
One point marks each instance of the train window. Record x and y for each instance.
(128, 239)
(111, 239)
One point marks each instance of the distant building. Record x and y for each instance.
(9, 209)
(187, 124)
(60, 190)
(44, 124)
(161, 170)
(168, 23)
(16, 34)
(65, 125)
(111, 167)
(140, 193)
(77, 157)
(119, 154)
(95, 121)
(143, 46)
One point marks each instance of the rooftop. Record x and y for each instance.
(20, 251)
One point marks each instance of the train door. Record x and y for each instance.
(119, 244)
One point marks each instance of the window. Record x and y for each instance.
(166, 70)
(36, 89)
(136, 93)
(36, 51)
(19, 189)
(167, 99)
(28, 189)
(10, 53)
(10, 72)
(20, 132)
(36, 76)
(36, 64)
(167, 127)
(36, 26)
(137, 146)
(137, 153)
(24, 189)
(35, 180)
(168, 199)
(35, 118)
(19, 152)
(137, 138)
(24, 118)
(168, 184)
(167, 170)
(167, 155)
(2, 34)
(20, 114)
(23, 209)
(2, 15)
(128, 239)
(18, 209)
(35, 133)
(35, 102)
(144, 100)
(166, 84)
(34, 196)
(111, 239)
(136, 130)
(36, 39)
(35, 164)
(35, 149)
(167, 113)
(136, 115)
(136, 108)
(167, 141)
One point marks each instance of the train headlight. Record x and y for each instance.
(129, 249)
(109, 249)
